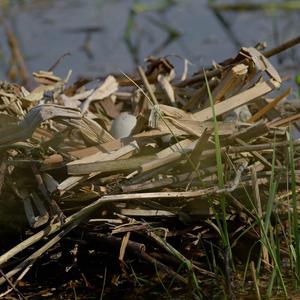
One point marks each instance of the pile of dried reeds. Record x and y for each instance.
(201, 173)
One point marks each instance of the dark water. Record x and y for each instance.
(93, 32)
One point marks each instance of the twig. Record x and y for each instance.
(29, 260)
(16, 53)
(289, 44)
(58, 61)
(259, 147)
(212, 73)
(84, 213)
(164, 268)
(13, 287)
(170, 249)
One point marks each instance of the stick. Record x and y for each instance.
(89, 209)
(212, 73)
(16, 53)
(29, 260)
(289, 44)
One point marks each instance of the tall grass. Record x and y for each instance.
(294, 215)
(267, 239)
(222, 222)
(265, 226)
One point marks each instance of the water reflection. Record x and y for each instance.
(108, 36)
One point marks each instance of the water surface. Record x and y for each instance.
(93, 32)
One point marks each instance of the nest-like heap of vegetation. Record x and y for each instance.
(191, 190)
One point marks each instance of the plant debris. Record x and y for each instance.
(120, 181)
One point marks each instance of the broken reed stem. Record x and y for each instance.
(13, 286)
(54, 207)
(16, 53)
(270, 105)
(248, 148)
(85, 212)
(259, 147)
(276, 50)
(147, 86)
(212, 73)
(30, 260)
(58, 61)
(255, 154)
(89, 209)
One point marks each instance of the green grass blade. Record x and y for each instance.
(294, 215)
(220, 174)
